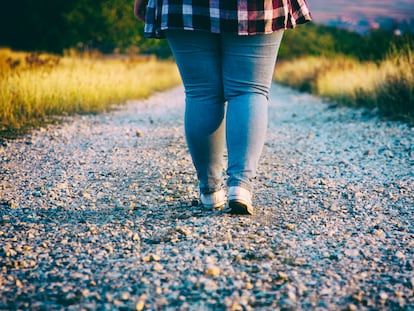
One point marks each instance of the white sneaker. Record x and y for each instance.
(240, 201)
(213, 200)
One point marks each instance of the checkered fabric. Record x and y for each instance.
(244, 17)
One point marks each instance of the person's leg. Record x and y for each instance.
(248, 65)
(198, 58)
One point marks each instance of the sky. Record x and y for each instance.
(324, 10)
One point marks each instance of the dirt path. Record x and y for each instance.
(98, 214)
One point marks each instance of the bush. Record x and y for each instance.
(395, 93)
(387, 86)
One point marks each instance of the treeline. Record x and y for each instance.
(53, 26)
(109, 25)
(319, 40)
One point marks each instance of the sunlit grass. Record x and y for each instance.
(349, 85)
(395, 92)
(387, 86)
(34, 88)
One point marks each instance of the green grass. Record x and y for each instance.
(387, 86)
(34, 88)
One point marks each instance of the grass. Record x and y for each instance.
(387, 86)
(34, 88)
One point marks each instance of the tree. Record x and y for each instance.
(31, 25)
(52, 25)
(103, 24)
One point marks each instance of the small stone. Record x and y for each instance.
(290, 227)
(379, 232)
(117, 303)
(141, 303)
(125, 296)
(400, 255)
(183, 231)
(93, 230)
(287, 304)
(213, 270)
(358, 296)
(109, 297)
(383, 295)
(352, 307)
(353, 252)
(335, 208)
(37, 194)
(157, 267)
(109, 249)
(135, 237)
(283, 276)
(86, 195)
(85, 292)
(358, 195)
(155, 257)
(249, 285)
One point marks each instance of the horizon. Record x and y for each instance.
(324, 11)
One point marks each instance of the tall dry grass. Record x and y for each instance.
(302, 73)
(387, 86)
(36, 87)
(395, 91)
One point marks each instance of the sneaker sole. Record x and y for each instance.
(211, 207)
(239, 208)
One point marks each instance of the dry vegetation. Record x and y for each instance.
(36, 87)
(387, 86)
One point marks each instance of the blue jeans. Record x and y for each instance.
(217, 69)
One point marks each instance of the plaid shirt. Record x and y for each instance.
(244, 17)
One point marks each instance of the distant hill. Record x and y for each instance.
(324, 10)
(363, 15)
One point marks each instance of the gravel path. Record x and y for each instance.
(101, 213)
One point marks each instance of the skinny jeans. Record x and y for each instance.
(227, 81)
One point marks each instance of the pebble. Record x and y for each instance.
(213, 270)
(141, 303)
(102, 212)
(157, 267)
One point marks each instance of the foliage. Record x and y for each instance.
(110, 26)
(54, 26)
(319, 40)
(30, 25)
(103, 25)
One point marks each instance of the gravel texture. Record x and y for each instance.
(100, 213)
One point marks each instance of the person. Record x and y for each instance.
(225, 51)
